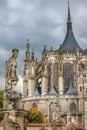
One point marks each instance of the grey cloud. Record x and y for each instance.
(42, 21)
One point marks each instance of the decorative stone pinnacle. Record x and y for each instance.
(32, 55)
(44, 48)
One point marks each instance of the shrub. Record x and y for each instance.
(35, 116)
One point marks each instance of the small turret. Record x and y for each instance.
(27, 57)
(26, 69)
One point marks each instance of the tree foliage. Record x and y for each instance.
(1, 103)
(35, 116)
(1, 98)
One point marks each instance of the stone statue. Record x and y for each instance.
(11, 121)
(56, 112)
(10, 75)
(14, 113)
(69, 125)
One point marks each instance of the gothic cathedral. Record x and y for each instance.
(60, 76)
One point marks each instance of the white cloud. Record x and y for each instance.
(42, 21)
(2, 83)
(19, 86)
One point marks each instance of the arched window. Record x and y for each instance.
(49, 74)
(55, 75)
(68, 75)
(72, 106)
(34, 105)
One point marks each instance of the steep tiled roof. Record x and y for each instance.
(72, 112)
(36, 93)
(71, 91)
(52, 91)
(70, 42)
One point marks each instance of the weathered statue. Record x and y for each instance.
(11, 121)
(56, 111)
(11, 77)
(12, 97)
(69, 125)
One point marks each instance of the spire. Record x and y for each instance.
(69, 23)
(27, 51)
(70, 42)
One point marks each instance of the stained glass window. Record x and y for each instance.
(68, 75)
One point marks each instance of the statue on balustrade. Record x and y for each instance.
(11, 77)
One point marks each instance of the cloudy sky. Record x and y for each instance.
(41, 21)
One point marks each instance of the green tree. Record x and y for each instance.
(1, 99)
(1, 103)
(35, 116)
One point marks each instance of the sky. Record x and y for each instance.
(43, 22)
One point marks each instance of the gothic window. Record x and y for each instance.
(80, 89)
(55, 75)
(34, 105)
(68, 74)
(72, 106)
(49, 74)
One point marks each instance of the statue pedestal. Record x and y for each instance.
(14, 115)
(14, 120)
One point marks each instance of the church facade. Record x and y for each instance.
(61, 74)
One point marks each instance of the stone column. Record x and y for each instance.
(25, 88)
(31, 86)
(52, 76)
(44, 81)
(31, 79)
(85, 112)
(60, 80)
(61, 86)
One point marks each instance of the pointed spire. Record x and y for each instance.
(69, 23)
(27, 51)
(70, 42)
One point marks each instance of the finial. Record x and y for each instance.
(27, 45)
(69, 23)
(68, 3)
(27, 40)
(27, 53)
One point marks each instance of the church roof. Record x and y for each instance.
(73, 112)
(71, 91)
(52, 91)
(36, 93)
(70, 42)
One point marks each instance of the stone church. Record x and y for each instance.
(60, 75)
